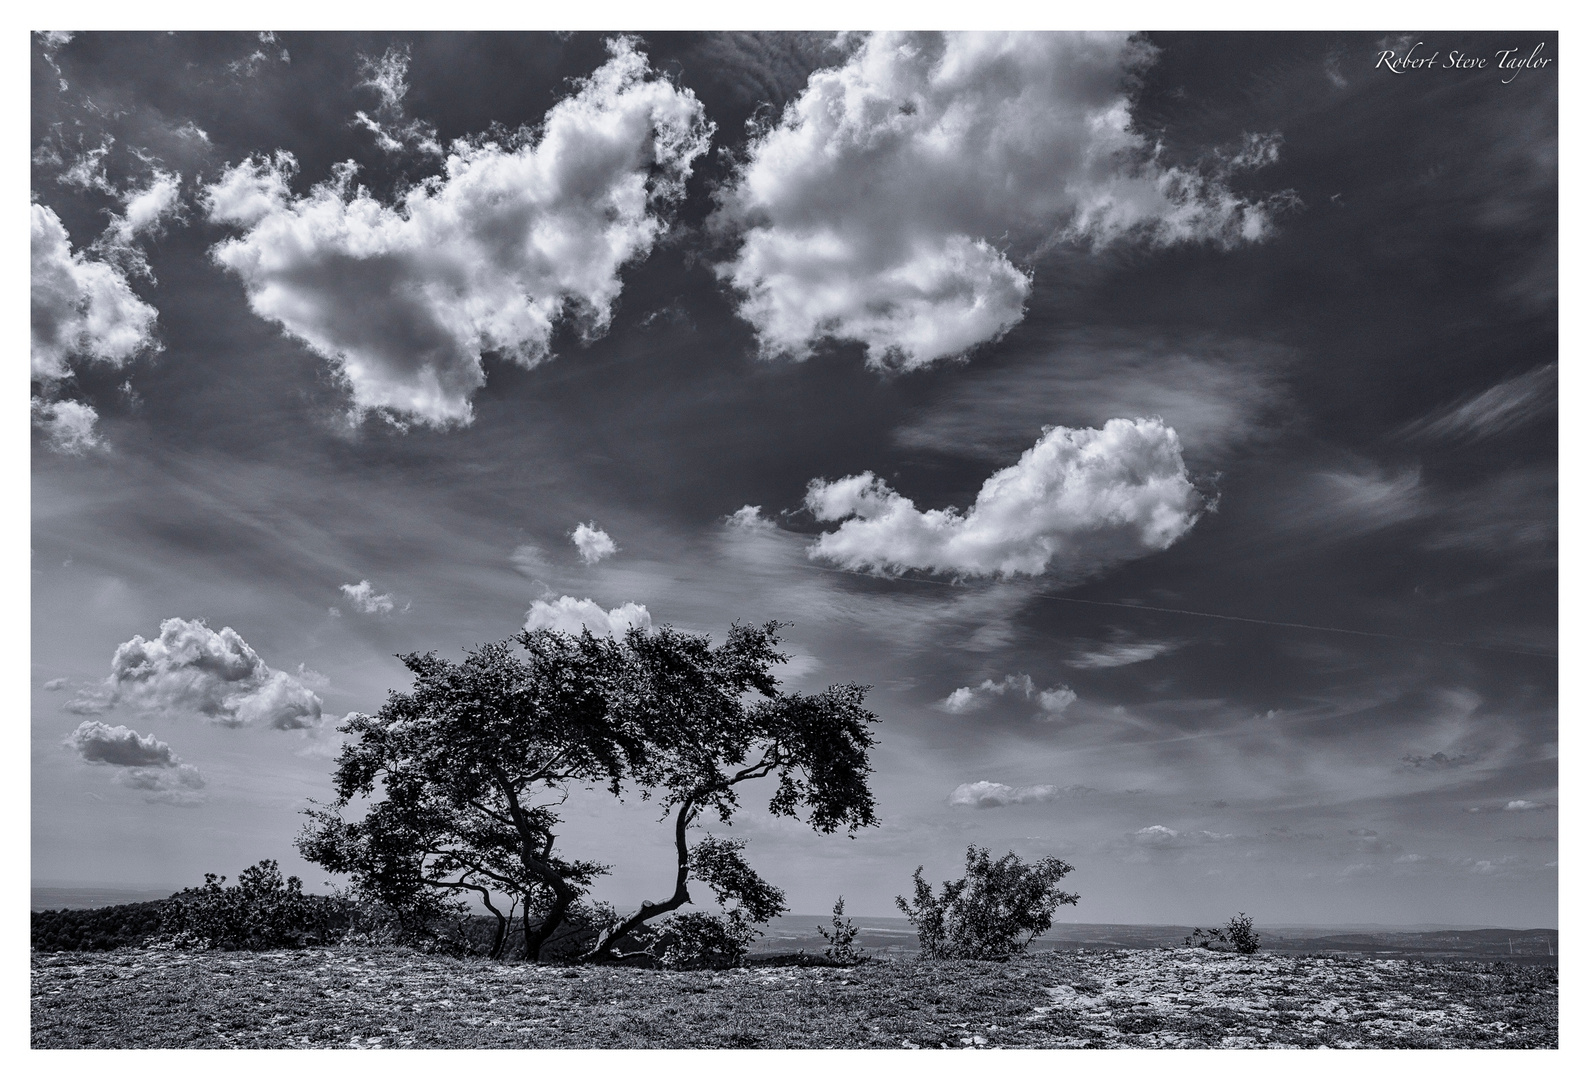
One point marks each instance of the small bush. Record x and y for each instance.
(1241, 934)
(699, 939)
(1237, 934)
(260, 912)
(841, 939)
(993, 912)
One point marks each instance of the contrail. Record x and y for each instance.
(1229, 618)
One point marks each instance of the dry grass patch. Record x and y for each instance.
(1156, 998)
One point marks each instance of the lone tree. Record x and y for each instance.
(464, 773)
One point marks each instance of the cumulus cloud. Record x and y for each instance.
(748, 519)
(56, 684)
(147, 209)
(1120, 654)
(985, 795)
(881, 206)
(593, 544)
(143, 762)
(99, 742)
(364, 598)
(404, 299)
(1078, 501)
(1156, 836)
(81, 307)
(1504, 407)
(569, 616)
(68, 426)
(967, 698)
(190, 668)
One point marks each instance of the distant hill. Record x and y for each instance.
(72, 897)
(886, 936)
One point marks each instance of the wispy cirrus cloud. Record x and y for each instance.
(515, 236)
(394, 130)
(879, 206)
(1504, 407)
(1121, 654)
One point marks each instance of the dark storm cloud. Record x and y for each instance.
(119, 745)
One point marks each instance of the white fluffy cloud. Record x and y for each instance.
(879, 207)
(404, 299)
(147, 208)
(364, 598)
(1053, 701)
(985, 795)
(594, 545)
(1079, 500)
(81, 307)
(68, 426)
(190, 668)
(569, 616)
(748, 519)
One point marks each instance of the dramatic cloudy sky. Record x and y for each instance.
(1164, 427)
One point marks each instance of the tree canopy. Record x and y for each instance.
(462, 775)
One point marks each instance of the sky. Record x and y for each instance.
(1163, 426)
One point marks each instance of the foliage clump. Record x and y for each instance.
(262, 911)
(841, 939)
(1237, 934)
(691, 940)
(96, 929)
(991, 913)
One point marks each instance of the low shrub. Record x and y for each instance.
(993, 912)
(1237, 935)
(261, 911)
(1241, 934)
(841, 939)
(701, 939)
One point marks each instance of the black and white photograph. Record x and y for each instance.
(761, 539)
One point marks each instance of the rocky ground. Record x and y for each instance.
(1146, 998)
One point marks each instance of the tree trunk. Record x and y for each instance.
(609, 938)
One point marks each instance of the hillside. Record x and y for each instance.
(1142, 998)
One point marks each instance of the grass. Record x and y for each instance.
(1153, 998)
